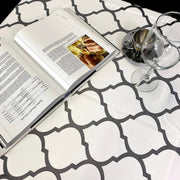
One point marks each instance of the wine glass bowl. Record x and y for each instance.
(139, 37)
(165, 51)
(159, 48)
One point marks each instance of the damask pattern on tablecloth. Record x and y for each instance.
(107, 130)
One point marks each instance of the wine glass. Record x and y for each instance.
(160, 49)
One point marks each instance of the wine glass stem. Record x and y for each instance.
(146, 76)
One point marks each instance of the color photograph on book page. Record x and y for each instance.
(88, 51)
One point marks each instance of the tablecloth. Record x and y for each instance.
(107, 130)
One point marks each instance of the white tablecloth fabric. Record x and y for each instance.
(107, 130)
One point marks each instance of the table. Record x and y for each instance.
(107, 130)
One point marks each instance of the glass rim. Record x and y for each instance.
(165, 37)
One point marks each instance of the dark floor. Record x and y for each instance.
(160, 6)
(6, 7)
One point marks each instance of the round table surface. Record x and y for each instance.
(107, 130)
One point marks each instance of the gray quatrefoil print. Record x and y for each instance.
(129, 137)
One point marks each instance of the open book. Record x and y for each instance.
(58, 54)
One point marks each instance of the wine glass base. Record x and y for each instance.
(141, 83)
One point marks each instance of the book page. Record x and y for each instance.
(64, 48)
(23, 95)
